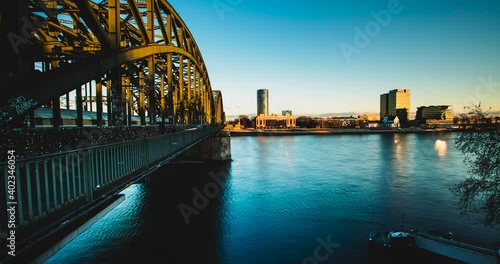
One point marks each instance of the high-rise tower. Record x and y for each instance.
(262, 102)
(398, 99)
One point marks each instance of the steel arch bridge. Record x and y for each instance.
(130, 57)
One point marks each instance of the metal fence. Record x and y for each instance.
(46, 184)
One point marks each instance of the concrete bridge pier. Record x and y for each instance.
(213, 148)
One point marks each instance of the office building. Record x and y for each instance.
(435, 114)
(384, 105)
(275, 121)
(262, 102)
(394, 102)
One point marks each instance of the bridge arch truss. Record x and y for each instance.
(126, 57)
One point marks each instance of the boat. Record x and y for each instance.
(398, 240)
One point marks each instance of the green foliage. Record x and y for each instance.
(480, 193)
(245, 121)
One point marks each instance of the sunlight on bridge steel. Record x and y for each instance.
(137, 55)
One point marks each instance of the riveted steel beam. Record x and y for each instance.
(138, 21)
(113, 49)
(89, 16)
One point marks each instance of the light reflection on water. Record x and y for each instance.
(441, 147)
(282, 194)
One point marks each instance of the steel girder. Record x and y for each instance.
(218, 115)
(138, 56)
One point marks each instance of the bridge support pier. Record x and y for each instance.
(214, 148)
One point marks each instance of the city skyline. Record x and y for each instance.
(336, 57)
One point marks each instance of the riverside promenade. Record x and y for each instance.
(326, 131)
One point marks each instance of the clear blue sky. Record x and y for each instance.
(439, 49)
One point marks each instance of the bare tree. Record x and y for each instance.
(480, 192)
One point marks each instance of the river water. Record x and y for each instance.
(283, 198)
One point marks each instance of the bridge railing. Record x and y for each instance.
(46, 184)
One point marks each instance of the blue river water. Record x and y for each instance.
(284, 197)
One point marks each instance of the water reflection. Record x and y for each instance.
(399, 141)
(279, 196)
(149, 226)
(441, 147)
